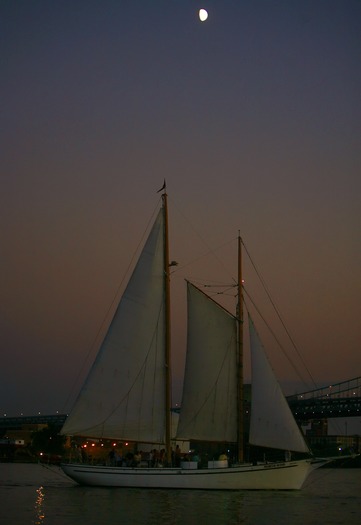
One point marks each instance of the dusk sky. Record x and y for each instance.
(252, 117)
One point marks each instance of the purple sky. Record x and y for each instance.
(253, 117)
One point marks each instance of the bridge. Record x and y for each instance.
(18, 422)
(337, 400)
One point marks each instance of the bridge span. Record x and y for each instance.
(338, 400)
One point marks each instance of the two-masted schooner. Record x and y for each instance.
(126, 395)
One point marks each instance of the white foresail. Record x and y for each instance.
(123, 396)
(210, 391)
(272, 422)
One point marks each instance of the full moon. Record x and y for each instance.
(203, 15)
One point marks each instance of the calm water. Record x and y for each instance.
(36, 494)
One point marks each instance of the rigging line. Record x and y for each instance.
(226, 288)
(279, 315)
(55, 471)
(110, 308)
(273, 335)
(204, 242)
(207, 283)
(205, 254)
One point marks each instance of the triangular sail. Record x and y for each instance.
(123, 396)
(208, 410)
(272, 422)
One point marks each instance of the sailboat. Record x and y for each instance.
(127, 394)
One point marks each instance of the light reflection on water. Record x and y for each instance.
(39, 506)
(31, 495)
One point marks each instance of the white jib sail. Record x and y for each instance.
(208, 410)
(272, 422)
(123, 396)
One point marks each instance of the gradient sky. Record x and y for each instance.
(253, 118)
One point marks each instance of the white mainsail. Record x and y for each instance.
(272, 422)
(209, 403)
(123, 396)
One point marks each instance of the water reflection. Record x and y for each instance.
(42, 496)
(177, 507)
(39, 506)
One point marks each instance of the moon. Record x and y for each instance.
(203, 15)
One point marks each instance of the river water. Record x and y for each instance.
(34, 494)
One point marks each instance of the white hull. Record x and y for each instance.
(272, 476)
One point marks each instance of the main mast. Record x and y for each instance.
(240, 354)
(167, 332)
